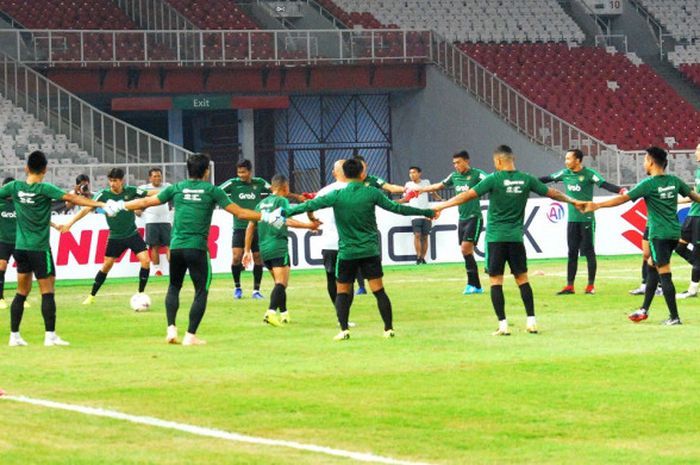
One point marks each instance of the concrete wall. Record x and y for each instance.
(430, 125)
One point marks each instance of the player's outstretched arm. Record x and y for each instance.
(694, 196)
(458, 199)
(546, 179)
(242, 213)
(431, 188)
(318, 203)
(612, 202)
(292, 223)
(393, 188)
(85, 211)
(614, 188)
(405, 210)
(82, 201)
(140, 204)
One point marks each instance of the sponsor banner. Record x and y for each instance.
(79, 254)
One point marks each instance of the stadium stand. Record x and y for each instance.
(687, 59)
(83, 15)
(681, 18)
(21, 133)
(617, 90)
(214, 14)
(465, 20)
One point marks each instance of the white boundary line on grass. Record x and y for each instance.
(208, 432)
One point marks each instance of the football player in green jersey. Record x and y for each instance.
(690, 234)
(660, 191)
(194, 201)
(358, 245)
(123, 234)
(8, 233)
(580, 229)
(246, 191)
(471, 222)
(274, 249)
(32, 199)
(508, 191)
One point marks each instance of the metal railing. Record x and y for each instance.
(682, 163)
(619, 41)
(105, 138)
(528, 118)
(155, 14)
(134, 173)
(196, 47)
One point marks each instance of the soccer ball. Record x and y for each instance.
(140, 302)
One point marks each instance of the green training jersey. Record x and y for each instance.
(246, 195)
(8, 221)
(462, 182)
(579, 186)
(33, 207)
(273, 241)
(194, 202)
(374, 181)
(123, 224)
(695, 207)
(508, 193)
(355, 218)
(661, 195)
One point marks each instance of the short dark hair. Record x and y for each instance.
(197, 165)
(352, 168)
(504, 150)
(464, 155)
(81, 177)
(577, 153)
(37, 162)
(415, 168)
(359, 157)
(154, 170)
(659, 156)
(115, 173)
(279, 180)
(7, 180)
(245, 164)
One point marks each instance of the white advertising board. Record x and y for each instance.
(80, 253)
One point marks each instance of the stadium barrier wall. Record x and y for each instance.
(79, 254)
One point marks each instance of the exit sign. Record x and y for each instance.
(202, 102)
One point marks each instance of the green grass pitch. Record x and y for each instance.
(591, 388)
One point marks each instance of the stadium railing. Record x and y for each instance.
(135, 173)
(528, 118)
(227, 47)
(104, 137)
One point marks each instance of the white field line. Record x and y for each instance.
(212, 433)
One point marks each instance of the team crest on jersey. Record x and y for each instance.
(581, 178)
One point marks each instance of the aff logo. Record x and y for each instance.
(637, 217)
(555, 212)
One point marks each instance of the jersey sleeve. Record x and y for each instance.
(683, 188)
(166, 194)
(640, 190)
(389, 205)
(220, 197)
(52, 191)
(484, 186)
(6, 190)
(447, 182)
(140, 193)
(226, 186)
(597, 178)
(98, 196)
(313, 205)
(266, 186)
(482, 175)
(558, 176)
(538, 186)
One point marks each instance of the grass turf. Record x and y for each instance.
(591, 388)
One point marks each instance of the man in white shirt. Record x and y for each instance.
(157, 220)
(329, 249)
(421, 226)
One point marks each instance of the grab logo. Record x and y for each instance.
(556, 212)
(250, 196)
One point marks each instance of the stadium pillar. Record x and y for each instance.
(246, 134)
(175, 134)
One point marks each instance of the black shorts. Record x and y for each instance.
(330, 258)
(661, 250)
(158, 234)
(421, 226)
(580, 236)
(238, 241)
(194, 260)
(469, 230)
(498, 253)
(279, 262)
(39, 263)
(370, 267)
(6, 249)
(690, 232)
(116, 247)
